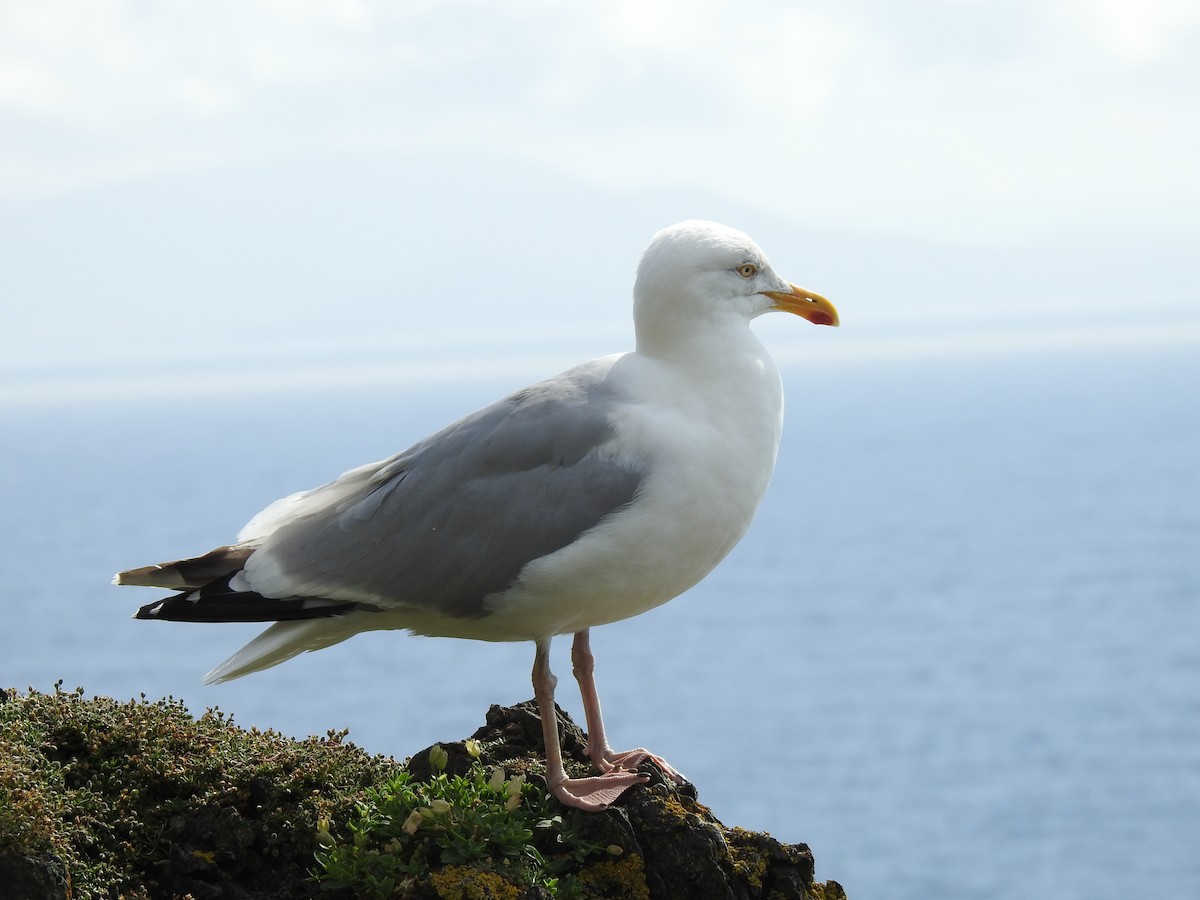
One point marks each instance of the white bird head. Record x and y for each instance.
(707, 275)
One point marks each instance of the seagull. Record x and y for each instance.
(585, 499)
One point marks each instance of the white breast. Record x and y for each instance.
(708, 437)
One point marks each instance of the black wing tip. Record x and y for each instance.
(239, 606)
(150, 610)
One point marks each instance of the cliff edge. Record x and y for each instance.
(141, 799)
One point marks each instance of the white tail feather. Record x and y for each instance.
(282, 641)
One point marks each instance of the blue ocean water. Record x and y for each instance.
(958, 653)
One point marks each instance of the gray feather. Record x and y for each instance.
(456, 517)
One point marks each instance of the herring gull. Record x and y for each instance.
(582, 500)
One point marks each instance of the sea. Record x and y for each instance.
(958, 654)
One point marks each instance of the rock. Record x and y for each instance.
(140, 799)
(679, 847)
(28, 878)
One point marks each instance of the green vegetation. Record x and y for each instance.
(140, 800)
(496, 825)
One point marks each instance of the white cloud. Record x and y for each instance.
(1144, 32)
(986, 120)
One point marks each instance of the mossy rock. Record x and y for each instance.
(140, 799)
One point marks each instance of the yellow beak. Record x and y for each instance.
(805, 304)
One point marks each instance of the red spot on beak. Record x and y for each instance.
(820, 318)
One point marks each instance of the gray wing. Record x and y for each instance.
(456, 517)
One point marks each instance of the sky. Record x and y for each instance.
(958, 157)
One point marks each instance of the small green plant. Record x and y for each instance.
(483, 822)
(141, 799)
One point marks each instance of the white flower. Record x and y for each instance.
(513, 790)
(413, 822)
(496, 782)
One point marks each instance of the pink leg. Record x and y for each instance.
(602, 755)
(589, 794)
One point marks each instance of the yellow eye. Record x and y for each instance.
(747, 270)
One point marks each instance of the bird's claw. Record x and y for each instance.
(595, 793)
(628, 760)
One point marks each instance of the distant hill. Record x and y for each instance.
(363, 261)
